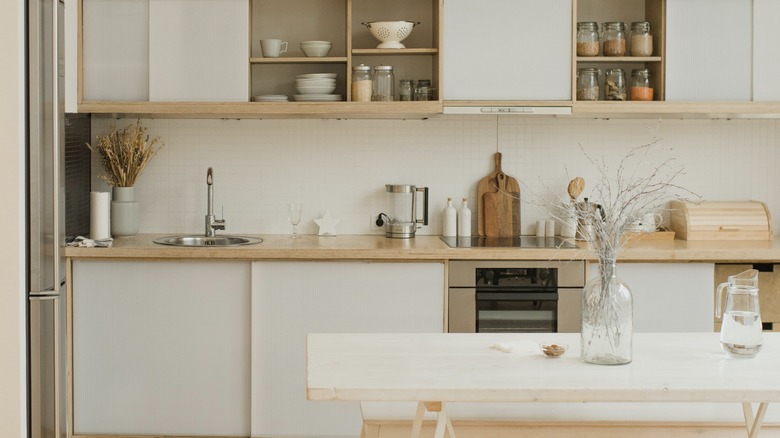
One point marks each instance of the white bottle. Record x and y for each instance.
(449, 220)
(464, 220)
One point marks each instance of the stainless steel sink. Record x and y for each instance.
(207, 241)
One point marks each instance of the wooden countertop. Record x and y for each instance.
(426, 248)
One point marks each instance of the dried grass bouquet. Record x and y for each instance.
(125, 153)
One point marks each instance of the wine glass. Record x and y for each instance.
(294, 216)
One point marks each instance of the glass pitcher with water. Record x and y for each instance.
(741, 330)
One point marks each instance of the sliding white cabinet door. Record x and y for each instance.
(766, 50)
(708, 50)
(199, 50)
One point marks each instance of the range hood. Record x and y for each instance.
(507, 109)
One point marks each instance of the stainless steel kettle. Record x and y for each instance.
(402, 220)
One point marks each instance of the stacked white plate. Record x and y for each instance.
(316, 87)
(270, 98)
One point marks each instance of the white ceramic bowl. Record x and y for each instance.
(319, 89)
(316, 49)
(390, 33)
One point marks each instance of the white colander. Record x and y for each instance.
(390, 33)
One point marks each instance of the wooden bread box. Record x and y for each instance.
(721, 220)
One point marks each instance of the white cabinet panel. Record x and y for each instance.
(199, 50)
(708, 50)
(115, 41)
(161, 348)
(766, 55)
(507, 49)
(292, 299)
(669, 297)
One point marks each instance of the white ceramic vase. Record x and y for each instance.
(124, 212)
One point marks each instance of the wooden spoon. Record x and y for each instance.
(576, 186)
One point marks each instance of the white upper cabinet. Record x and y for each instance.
(766, 55)
(165, 50)
(708, 55)
(115, 44)
(198, 50)
(507, 49)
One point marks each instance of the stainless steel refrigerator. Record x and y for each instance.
(46, 219)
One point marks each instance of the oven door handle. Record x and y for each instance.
(517, 296)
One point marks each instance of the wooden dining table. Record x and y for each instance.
(434, 369)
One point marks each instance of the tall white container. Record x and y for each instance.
(449, 220)
(464, 219)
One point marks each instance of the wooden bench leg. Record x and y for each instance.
(753, 424)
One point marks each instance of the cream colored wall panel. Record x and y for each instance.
(507, 49)
(161, 348)
(766, 55)
(116, 49)
(199, 50)
(291, 299)
(708, 50)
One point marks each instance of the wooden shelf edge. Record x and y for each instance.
(300, 60)
(395, 52)
(620, 59)
(263, 109)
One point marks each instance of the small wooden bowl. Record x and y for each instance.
(553, 350)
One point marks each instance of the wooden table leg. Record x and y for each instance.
(418, 419)
(753, 424)
(443, 422)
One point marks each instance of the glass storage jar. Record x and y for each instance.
(588, 84)
(615, 84)
(384, 84)
(405, 90)
(614, 38)
(641, 40)
(361, 83)
(424, 90)
(641, 86)
(587, 38)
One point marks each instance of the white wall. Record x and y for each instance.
(12, 350)
(343, 165)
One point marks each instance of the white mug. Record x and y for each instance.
(651, 221)
(272, 48)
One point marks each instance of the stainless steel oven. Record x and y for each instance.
(515, 296)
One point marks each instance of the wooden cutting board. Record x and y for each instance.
(499, 210)
(486, 185)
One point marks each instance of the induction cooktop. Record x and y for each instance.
(508, 242)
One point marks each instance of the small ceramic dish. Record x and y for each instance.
(553, 350)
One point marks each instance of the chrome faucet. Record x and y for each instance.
(212, 224)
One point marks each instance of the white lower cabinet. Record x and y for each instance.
(669, 297)
(161, 348)
(291, 299)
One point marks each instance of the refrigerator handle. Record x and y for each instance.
(55, 144)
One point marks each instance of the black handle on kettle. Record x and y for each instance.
(425, 207)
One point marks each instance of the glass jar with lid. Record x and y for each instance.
(424, 90)
(614, 38)
(641, 40)
(361, 83)
(641, 85)
(587, 38)
(384, 84)
(615, 84)
(588, 84)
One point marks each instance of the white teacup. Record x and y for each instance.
(651, 222)
(272, 48)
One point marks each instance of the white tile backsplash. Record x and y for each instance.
(342, 166)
